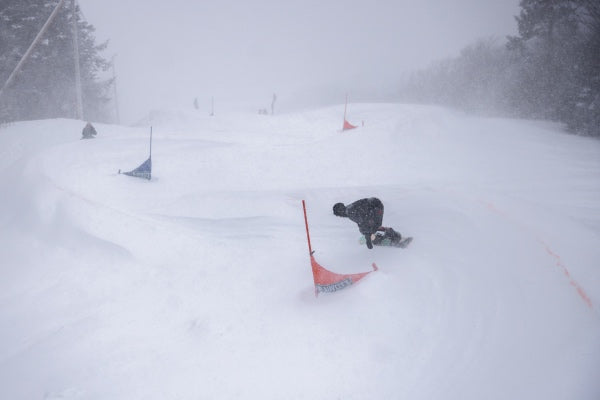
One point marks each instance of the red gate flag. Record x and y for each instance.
(325, 280)
(348, 125)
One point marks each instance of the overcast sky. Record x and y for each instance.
(170, 52)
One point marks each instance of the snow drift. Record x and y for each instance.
(198, 283)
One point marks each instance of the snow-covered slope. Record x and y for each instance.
(197, 284)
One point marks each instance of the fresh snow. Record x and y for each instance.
(197, 284)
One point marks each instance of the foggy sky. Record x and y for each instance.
(169, 52)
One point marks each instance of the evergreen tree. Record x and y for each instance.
(551, 70)
(478, 80)
(557, 53)
(550, 56)
(45, 86)
(586, 117)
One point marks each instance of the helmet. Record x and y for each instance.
(339, 209)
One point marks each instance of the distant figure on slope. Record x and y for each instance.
(368, 214)
(88, 132)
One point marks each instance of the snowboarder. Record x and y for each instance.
(88, 132)
(368, 214)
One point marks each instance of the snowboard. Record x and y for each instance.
(388, 243)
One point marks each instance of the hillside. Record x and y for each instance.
(197, 283)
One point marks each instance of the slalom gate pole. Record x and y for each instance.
(150, 142)
(310, 251)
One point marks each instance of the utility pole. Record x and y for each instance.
(115, 90)
(78, 96)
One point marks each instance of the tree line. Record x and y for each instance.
(45, 85)
(550, 70)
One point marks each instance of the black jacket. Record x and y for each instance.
(367, 213)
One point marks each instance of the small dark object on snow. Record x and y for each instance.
(89, 132)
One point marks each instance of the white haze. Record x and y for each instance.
(308, 52)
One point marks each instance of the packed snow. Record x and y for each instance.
(197, 284)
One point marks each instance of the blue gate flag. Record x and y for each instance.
(145, 169)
